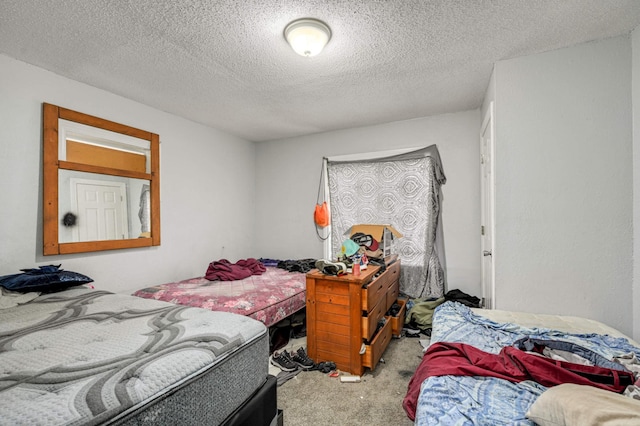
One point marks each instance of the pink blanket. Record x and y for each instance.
(268, 297)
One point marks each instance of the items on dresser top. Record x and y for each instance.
(377, 239)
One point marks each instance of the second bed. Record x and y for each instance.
(487, 367)
(268, 298)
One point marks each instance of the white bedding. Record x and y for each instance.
(569, 324)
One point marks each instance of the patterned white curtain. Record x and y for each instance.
(403, 191)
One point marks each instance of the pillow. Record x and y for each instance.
(569, 404)
(45, 279)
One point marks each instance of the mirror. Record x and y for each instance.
(101, 184)
(123, 211)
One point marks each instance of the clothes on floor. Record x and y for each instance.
(462, 297)
(421, 313)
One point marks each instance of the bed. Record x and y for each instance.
(270, 297)
(84, 357)
(495, 367)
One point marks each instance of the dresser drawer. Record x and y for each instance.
(373, 292)
(373, 352)
(392, 273)
(397, 322)
(392, 294)
(370, 322)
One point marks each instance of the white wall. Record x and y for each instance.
(288, 172)
(207, 185)
(635, 95)
(564, 182)
(564, 235)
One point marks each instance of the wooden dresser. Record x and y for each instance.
(343, 315)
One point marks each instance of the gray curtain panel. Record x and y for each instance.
(144, 213)
(403, 191)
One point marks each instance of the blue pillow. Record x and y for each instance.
(44, 279)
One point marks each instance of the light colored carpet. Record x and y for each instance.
(314, 398)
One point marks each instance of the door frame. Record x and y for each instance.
(487, 208)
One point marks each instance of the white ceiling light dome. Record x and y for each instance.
(307, 36)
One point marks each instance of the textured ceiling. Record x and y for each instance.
(226, 63)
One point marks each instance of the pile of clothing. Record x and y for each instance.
(420, 312)
(223, 270)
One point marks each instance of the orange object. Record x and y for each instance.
(321, 215)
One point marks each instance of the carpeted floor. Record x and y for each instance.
(314, 398)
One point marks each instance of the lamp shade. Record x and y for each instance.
(307, 36)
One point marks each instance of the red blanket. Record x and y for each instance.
(223, 270)
(511, 364)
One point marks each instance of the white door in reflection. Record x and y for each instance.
(102, 210)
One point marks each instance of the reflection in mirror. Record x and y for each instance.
(101, 184)
(102, 207)
(82, 144)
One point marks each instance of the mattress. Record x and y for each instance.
(84, 356)
(268, 298)
(473, 399)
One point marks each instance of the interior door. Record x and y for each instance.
(101, 207)
(487, 149)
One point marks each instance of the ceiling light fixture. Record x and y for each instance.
(307, 36)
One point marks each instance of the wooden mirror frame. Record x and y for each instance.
(52, 164)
